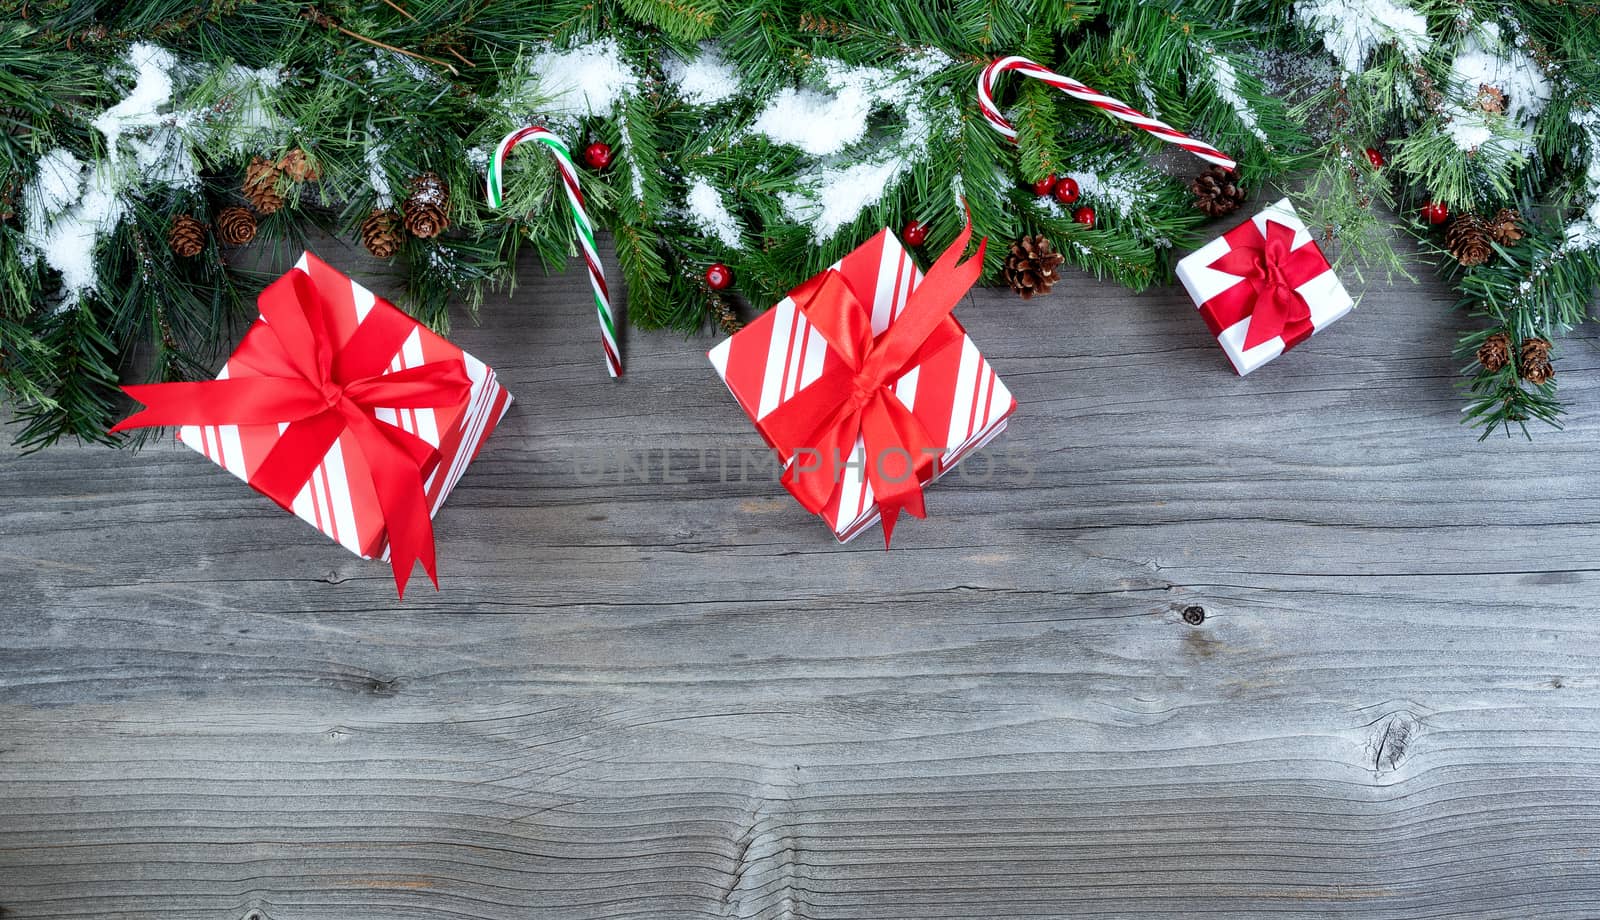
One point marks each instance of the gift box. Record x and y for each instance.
(1264, 287)
(344, 410)
(798, 368)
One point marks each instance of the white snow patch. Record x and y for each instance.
(251, 123)
(164, 158)
(708, 212)
(1468, 128)
(142, 125)
(62, 229)
(706, 79)
(591, 79)
(635, 170)
(834, 195)
(377, 176)
(929, 61)
(817, 123)
(827, 122)
(1050, 206)
(141, 108)
(1226, 81)
(1486, 60)
(1148, 94)
(1352, 29)
(56, 184)
(1118, 192)
(1584, 233)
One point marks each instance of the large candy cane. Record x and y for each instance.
(1116, 107)
(580, 219)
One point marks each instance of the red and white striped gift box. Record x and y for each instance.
(954, 393)
(339, 499)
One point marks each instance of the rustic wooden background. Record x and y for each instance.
(679, 699)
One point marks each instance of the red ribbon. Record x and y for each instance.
(819, 425)
(295, 375)
(1272, 271)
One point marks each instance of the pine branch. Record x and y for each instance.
(377, 91)
(1038, 125)
(687, 20)
(639, 249)
(1536, 289)
(82, 403)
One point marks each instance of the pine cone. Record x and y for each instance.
(425, 221)
(382, 233)
(299, 167)
(427, 207)
(1217, 191)
(1031, 265)
(186, 237)
(727, 316)
(1468, 240)
(261, 185)
(1506, 226)
(236, 226)
(1533, 363)
(1495, 352)
(1492, 98)
(1538, 373)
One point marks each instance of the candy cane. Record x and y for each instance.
(580, 219)
(1115, 107)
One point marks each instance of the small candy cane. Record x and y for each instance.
(580, 219)
(1116, 107)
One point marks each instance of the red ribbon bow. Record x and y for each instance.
(296, 376)
(1273, 271)
(819, 425)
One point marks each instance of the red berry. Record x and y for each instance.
(1375, 157)
(718, 276)
(597, 155)
(914, 233)
(1067, 190)
(1435, 212)
(1042, 187)
(1084, 215)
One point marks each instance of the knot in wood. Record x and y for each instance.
(1392, 740)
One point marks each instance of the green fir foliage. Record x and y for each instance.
(881, 127)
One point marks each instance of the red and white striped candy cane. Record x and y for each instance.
(580, 220)
(1115, 107)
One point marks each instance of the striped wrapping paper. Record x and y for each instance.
(1325, 293)
(339, 498)
(954, 393)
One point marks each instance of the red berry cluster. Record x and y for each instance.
(1065, 190)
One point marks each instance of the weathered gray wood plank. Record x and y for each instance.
(677, 699)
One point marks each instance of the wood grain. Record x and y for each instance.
(677, 698)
